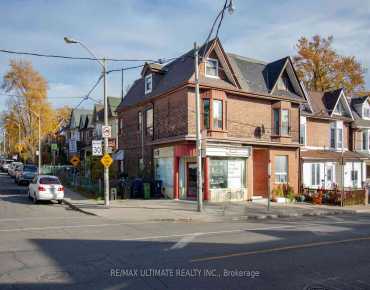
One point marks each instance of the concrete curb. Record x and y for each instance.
(76, 208)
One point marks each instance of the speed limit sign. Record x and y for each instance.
(97, 148)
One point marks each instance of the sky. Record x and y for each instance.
(154, 29)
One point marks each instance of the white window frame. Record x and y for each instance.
(303, 122)
(315, 167)
(338, 127)
(205, 68)
(279, 174)
(148, 80)
(366, 108)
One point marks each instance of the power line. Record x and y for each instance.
(75, 57)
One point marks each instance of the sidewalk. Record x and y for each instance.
(186, 211)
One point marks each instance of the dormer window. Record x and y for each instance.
(366, 111)
(211, 68)
(148, 83)
(339, 110)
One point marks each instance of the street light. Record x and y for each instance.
(102, 63)
(229, 5)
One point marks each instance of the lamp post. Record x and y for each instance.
(228, 5)
(103, 64)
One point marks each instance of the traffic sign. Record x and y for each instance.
(107, 131)
(97, 148)
(75, 160)
(106, 160)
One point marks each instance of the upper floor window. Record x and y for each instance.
(339, 110)
(148, 83)
(206, 113)
(302, 132)
(149, 121)
(217, 114)
(281, 122)
(365, 140)
(211, 68)
(140, 121)
(366, 111)
(336, 135)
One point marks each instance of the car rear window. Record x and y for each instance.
(30, 168)
(49, 180)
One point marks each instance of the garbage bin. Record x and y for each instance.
(146, 190)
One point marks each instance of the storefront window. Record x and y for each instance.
(227, 173)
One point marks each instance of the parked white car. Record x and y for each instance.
(46, 187)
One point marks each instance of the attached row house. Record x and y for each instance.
(250, 112)
(331, 140)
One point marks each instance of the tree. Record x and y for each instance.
(321, 68)
(29, 90)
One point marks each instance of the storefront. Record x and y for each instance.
(224, 171)
(227, 172)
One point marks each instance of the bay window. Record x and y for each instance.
(365, 140)
(149, 121)
(206, 113)
(217, 114)
(302, 132)
(281, 122)
(281, 169)
(336, 135)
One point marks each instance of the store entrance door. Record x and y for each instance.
(191, 174)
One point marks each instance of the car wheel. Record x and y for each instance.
(60, 201)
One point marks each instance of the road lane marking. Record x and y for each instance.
(278, 249)
(36, 218)
(182, 243)
(71, 227)
(204, 233)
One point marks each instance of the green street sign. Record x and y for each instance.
(54, 146)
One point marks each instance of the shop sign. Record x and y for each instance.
(163, 152)
(227, 151)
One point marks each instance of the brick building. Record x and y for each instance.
(327, 143)
(250, 119)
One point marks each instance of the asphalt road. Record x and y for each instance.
(49, 246)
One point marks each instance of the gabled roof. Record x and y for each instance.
(113, 103)
(323, 104)
(74, 121)
(357, 102)
(243, 74)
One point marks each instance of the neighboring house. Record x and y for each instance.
(249, 119)
(326, 143)
(72, 131)
(98, 121)
(361, 128)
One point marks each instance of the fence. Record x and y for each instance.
(335, 196)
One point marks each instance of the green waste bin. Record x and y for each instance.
(146, 190)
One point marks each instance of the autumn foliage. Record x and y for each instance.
(28, 99)
(321, 68)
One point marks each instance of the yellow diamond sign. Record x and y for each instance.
(75, 160)
(106, 160)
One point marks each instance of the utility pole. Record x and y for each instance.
(39, 167)
(106, 169)
(198, 136)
